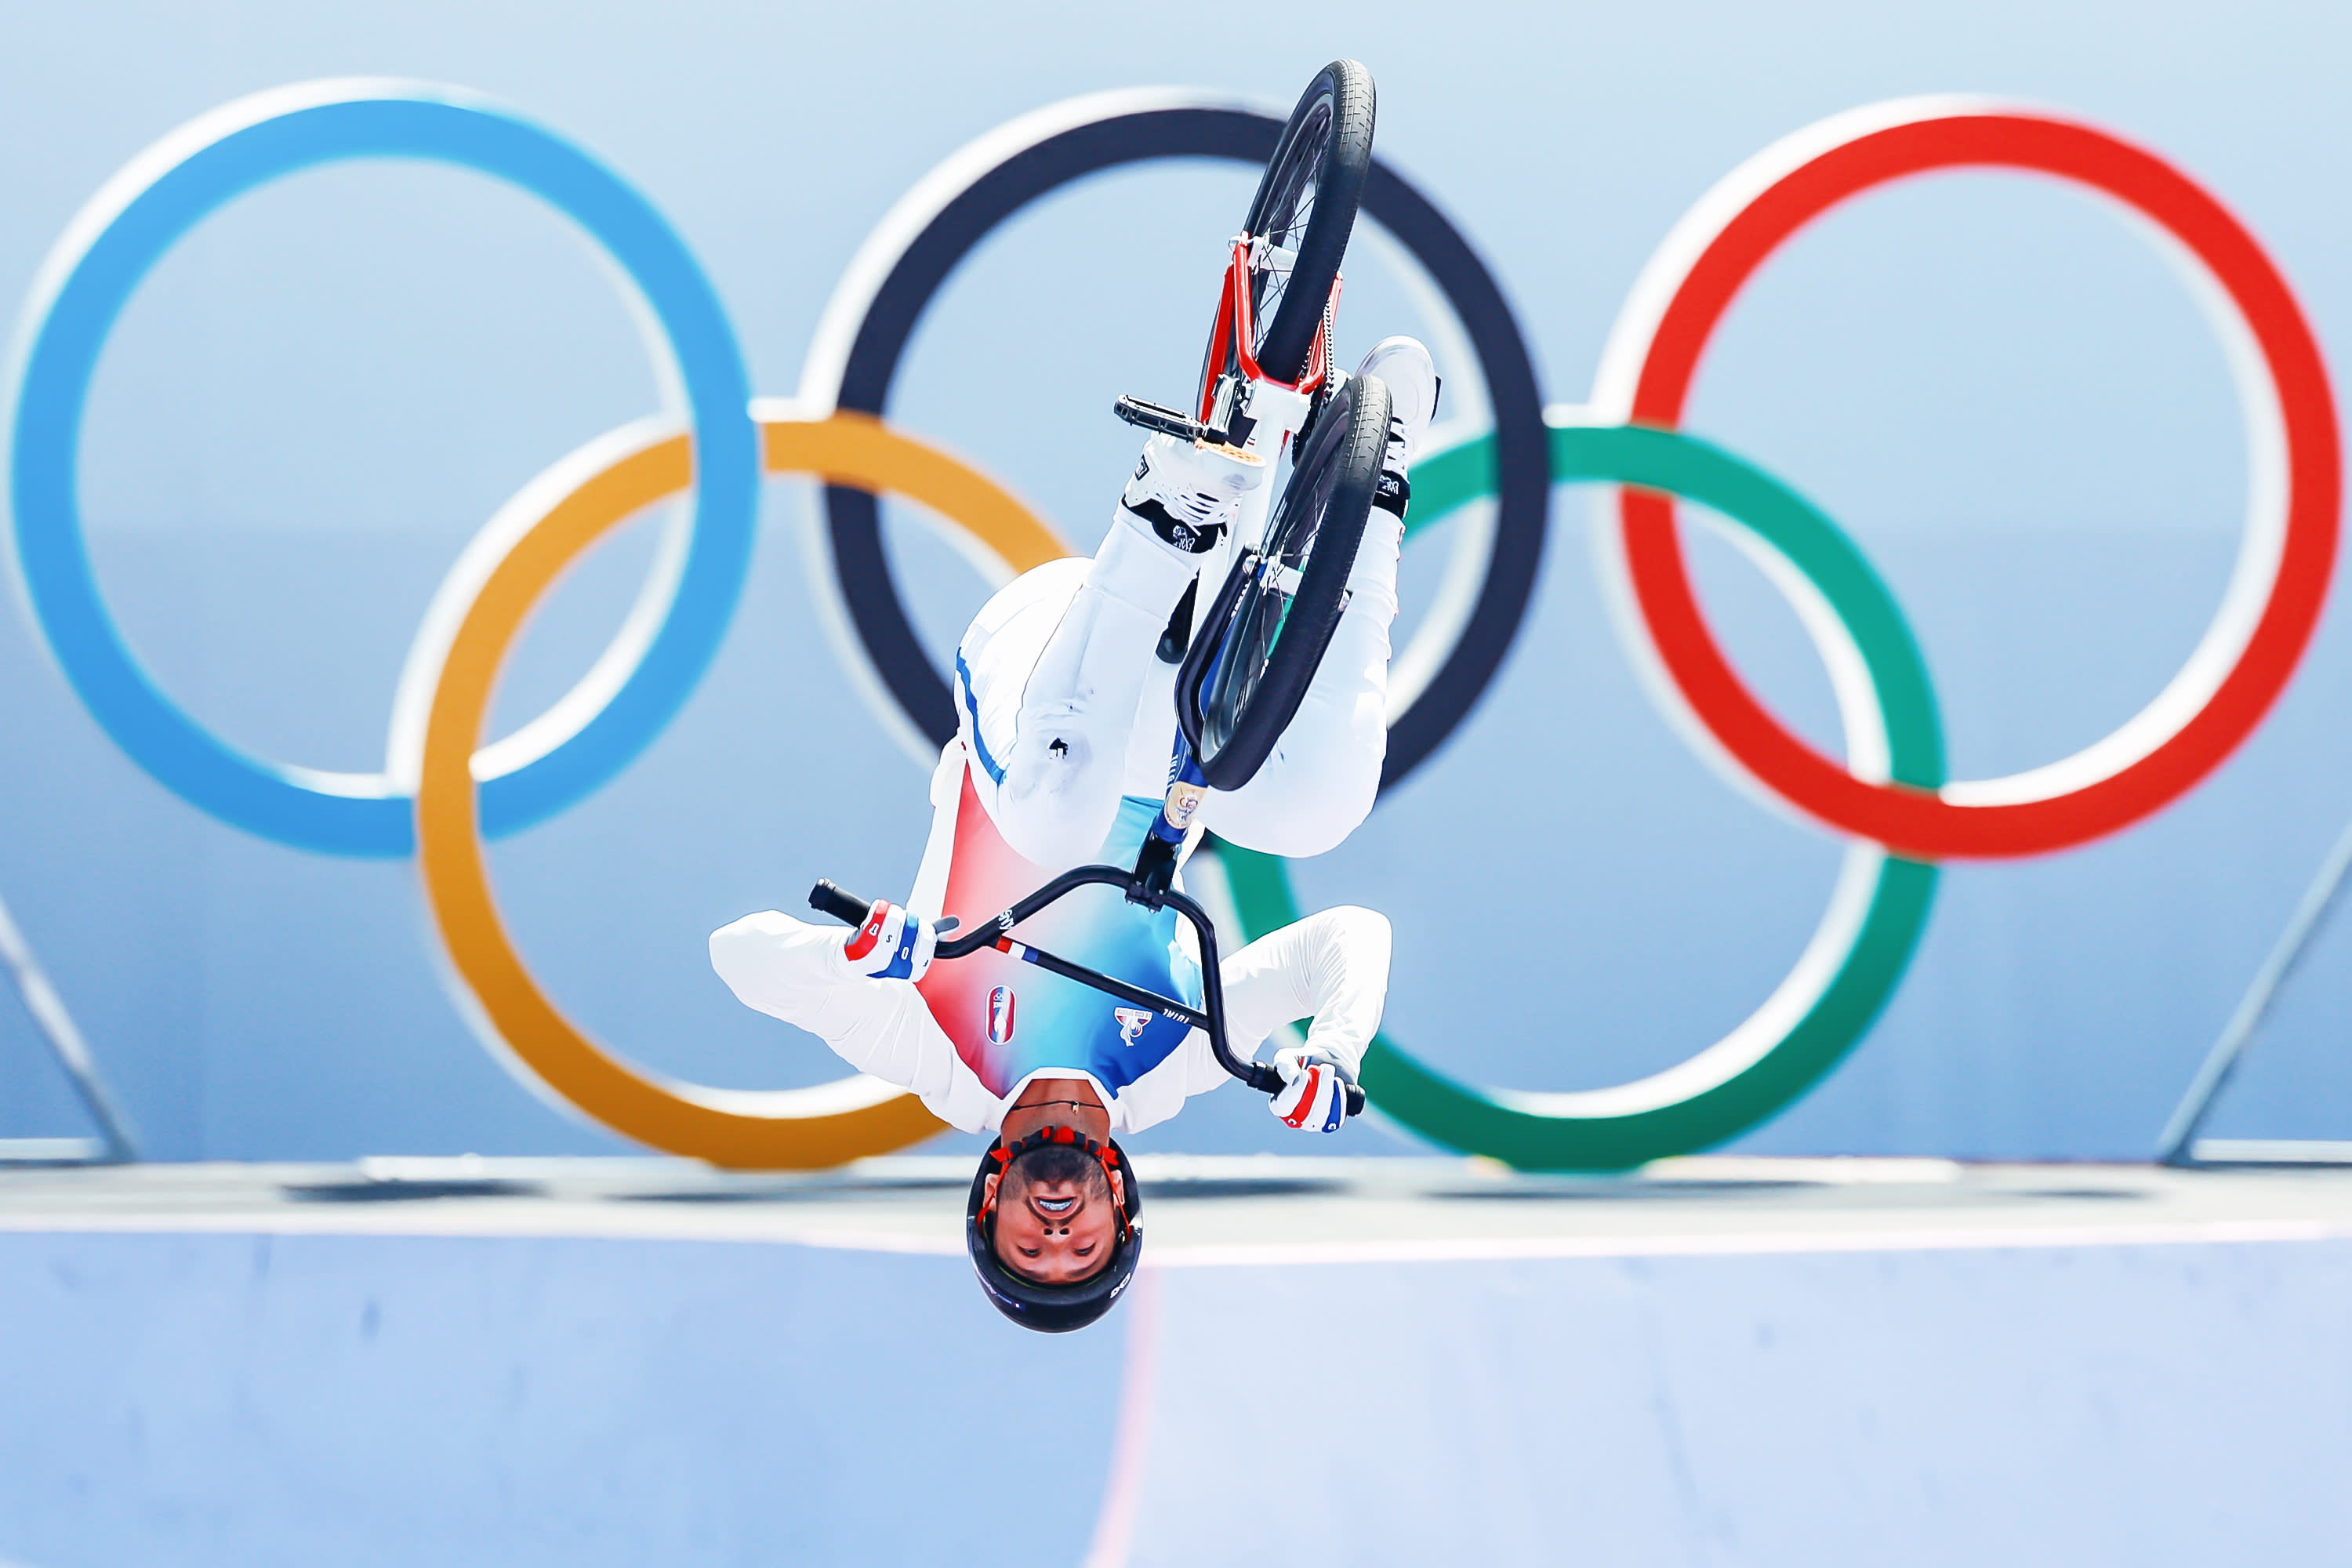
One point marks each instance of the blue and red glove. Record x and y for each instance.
(1314, 1097)
(891, 943)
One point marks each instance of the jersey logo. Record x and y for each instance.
(999, 1014)
(1130, 1023)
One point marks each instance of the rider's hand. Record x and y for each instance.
(1314, 1097)
(891, 943)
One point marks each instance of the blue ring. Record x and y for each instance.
(92, 277)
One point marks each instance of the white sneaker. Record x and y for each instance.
(1412, 378)
(1189, 494)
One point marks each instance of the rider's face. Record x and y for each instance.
(1055, 1233)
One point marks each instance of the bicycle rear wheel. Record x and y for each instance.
(1264, 635)
(1304, 211)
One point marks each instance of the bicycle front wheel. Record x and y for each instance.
(1300, 220)
(1265, 636)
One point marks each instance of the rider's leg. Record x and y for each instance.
(1061, 770)
(1324, 773)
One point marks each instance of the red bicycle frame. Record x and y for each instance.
(1230, 339)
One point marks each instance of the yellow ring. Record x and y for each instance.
(751, 1129)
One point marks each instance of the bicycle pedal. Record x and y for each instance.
(1167, 421)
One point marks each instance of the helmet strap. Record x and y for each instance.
(1105, 1155)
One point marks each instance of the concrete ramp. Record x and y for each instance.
(1724, 1362)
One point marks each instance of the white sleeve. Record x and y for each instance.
(1332, 967)
(796, 971)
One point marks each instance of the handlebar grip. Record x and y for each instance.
(845, 906)
(1266, 1080)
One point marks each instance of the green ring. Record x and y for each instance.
(1522, 1129)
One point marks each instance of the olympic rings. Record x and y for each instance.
(874, 309)
(1876, 910)
(610, 482)
(1890, 795)
(2276, 593)
(138, 216)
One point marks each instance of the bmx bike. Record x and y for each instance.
(1267, 387)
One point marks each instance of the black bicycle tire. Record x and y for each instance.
(1347, 447)
(1284, 343)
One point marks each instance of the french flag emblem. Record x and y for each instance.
(999, 1014)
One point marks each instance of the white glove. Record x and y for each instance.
(892, 944)
(1315, 1093)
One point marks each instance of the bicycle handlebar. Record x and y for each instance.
(827, 898)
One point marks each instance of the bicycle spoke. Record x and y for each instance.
(1288, 215)
(1243, 678)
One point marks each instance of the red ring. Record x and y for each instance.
(1914, 821)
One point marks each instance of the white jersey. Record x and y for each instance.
(1332, 967)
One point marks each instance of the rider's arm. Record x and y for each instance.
(1332, 967)
(797, 972)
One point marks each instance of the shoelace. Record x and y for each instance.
(1203, 509)
(1392, 459)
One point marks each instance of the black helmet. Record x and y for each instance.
(1053, 1308)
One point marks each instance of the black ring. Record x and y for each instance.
(1523, 477)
